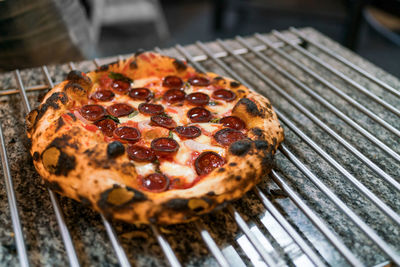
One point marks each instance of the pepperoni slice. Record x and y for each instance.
(199, 114)
(227, 136)
(199, 81)
(121, 86)
(120, 110)
(143, 94)
(198, 99)
(155, 182)
(233, 122)
(140, 153)
(224, 94)
(174, 95)
(172, 82)
(164, 146)
(150, 109)
(107, 126)
(129, 134)
(92, 112)
(208, 161)
(188, 131)
(103, 95)
(163, 121)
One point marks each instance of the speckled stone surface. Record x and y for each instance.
(41, 232)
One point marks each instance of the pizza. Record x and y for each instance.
(149, 139)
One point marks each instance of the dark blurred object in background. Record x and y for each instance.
(34, 33)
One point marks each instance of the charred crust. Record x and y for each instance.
(63, 141)
(178, 204)
(31, 119)
(240, 148)
(115, 149)
(75, 89)
(219, 78)
(221, 169)
(251, 107)
(53, 102)
(133, 65)
(60, 123)
(238, 177)
(179, 65)
(54, 185)
(102, 68)
(84, 200)
(257, 132)
(234, 84)
(66, 163)
(127, 168)
(139, 52)
(79, 77)
(261, 145)
(36, 156)
(117, 198)
(211, 193)
(233, 164)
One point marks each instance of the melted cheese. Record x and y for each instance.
(144, 168)
(179, 171)
(196, 146)
(210, 127)
(223, 108)
(138, 118)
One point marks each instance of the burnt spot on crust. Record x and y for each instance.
(117, 198)
(84, 200)
(63, 141)
(115, 149)
(261, 145)
(79, 77)
(238, 177)
(60, 123)
(233, 164)
(178, 204)
(221, 169)
(54, 102)
(57, 161)
(139, 52)
(251, 107)
(240, 148)
(257, 132)
(234, 84)
(128, 168)
(30, 120)
(179, 65)
(54, 185)
(75, 90)
(211, 193)
(133, 65)
(199, 204)
(102, 68)
(36, 156)
(219, 78)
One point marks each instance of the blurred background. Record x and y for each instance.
(39, 32)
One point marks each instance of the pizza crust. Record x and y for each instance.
(74, 162)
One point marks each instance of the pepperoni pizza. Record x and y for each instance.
(151, 140)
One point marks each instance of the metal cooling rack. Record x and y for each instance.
(333, 197)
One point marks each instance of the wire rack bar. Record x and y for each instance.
(341, 205)
(338, 73)
(212, 246)
(320, 79)
(65, 234)
(348, 146)
(252, 238)
(346, 62)
(288, 228)
(118, 249)
(165, 246)
(12, 203)
(318, 223)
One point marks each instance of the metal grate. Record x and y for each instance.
(334, 193)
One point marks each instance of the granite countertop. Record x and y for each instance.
(41, 232)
